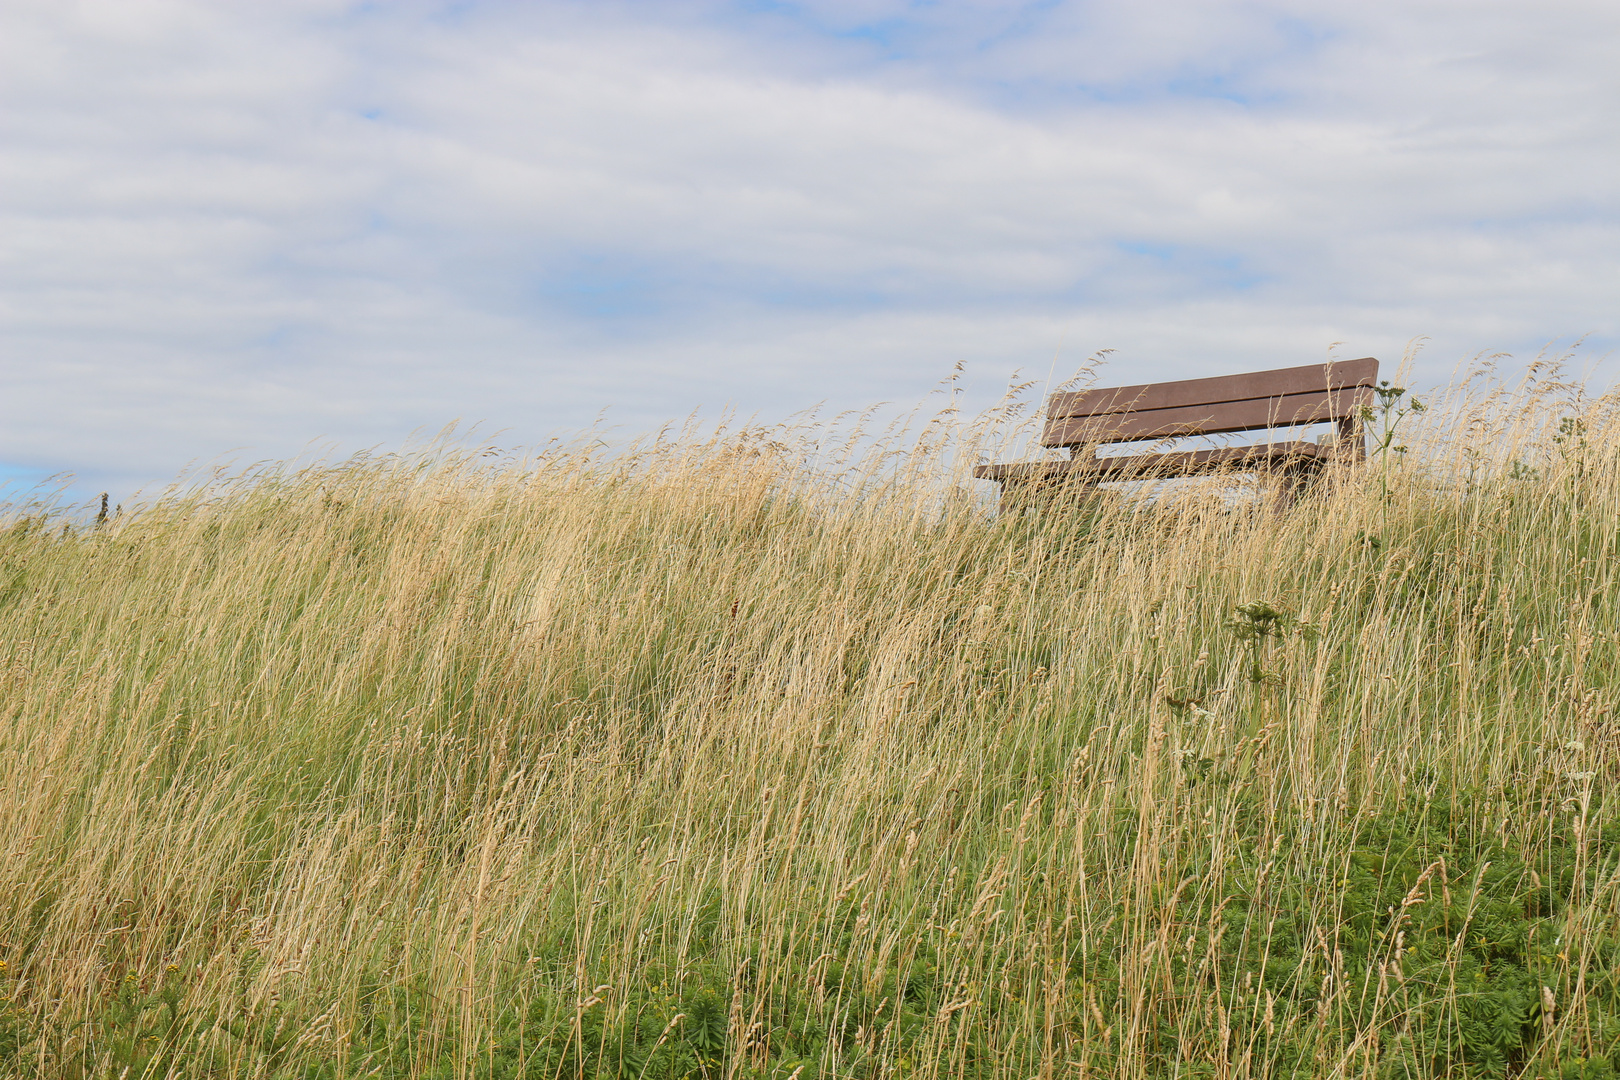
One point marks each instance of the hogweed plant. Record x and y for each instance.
(1385, 419)
(781, 754)
(1256, 624)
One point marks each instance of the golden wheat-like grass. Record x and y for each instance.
(447, 765)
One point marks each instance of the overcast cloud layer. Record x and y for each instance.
(233, 226)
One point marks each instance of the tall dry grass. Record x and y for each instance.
(710, 760)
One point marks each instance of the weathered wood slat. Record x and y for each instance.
(1179, 463)
(1208, 418)
(1213, 391)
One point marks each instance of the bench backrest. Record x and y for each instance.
(1314, 394)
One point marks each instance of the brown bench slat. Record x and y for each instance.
(1184, 462)
(1282, 382)
(1207, 418)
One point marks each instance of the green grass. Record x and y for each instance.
(709, 761)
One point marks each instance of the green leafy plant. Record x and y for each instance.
(1437, 937)
(1257, 624)
(1388, 414)
(1393, 407)
(143, 1030)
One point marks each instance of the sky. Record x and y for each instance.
(235, 231)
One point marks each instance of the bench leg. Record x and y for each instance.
(1296, 480)
(1021, 497)
(1026, 496)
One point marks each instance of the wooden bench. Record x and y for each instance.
(1336, 393)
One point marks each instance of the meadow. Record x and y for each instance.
(779, 753)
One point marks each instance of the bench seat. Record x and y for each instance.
(1175, 463)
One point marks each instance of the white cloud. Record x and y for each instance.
(254, 225)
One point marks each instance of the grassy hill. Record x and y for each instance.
(710, 762)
